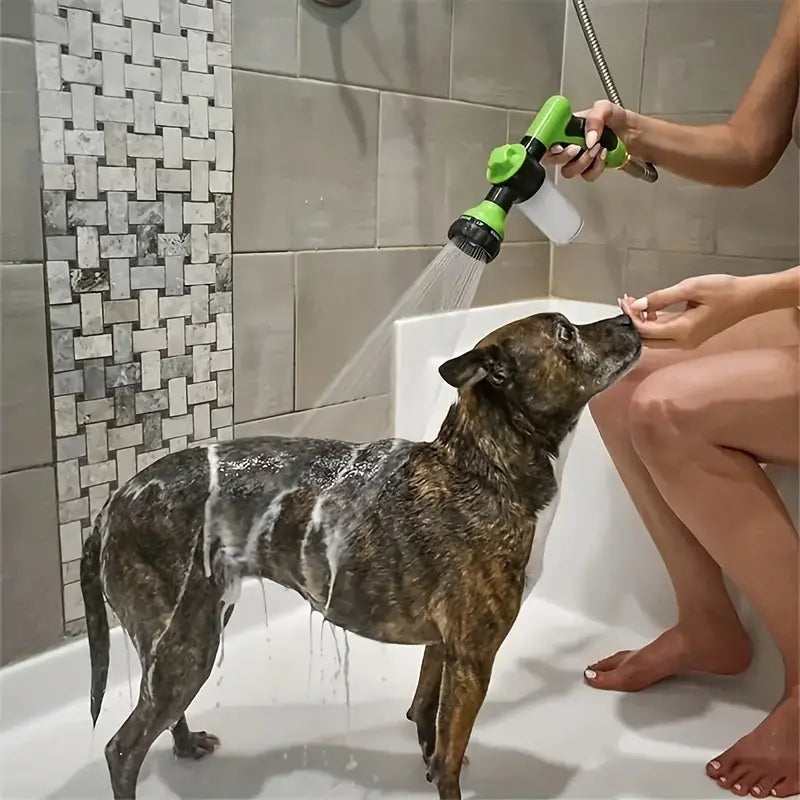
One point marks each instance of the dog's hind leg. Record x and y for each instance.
(172, 676)
(426, 699)
(195, 744)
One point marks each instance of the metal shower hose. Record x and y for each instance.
(635, 167)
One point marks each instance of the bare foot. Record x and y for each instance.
(766, 762)
(678, 651)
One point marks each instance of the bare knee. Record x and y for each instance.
(661, 424)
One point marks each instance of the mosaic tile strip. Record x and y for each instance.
(136, 133)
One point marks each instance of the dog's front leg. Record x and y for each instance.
(465, 680)
(426, 699)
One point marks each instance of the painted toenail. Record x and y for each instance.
(715, 765)
(589, 673)
(774, 793)
(723, 779)
(756, 790)
(737, 787)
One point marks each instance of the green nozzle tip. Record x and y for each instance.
(490, 214)
(504, 162)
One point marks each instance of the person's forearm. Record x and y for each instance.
(772, 291)
(705, 153)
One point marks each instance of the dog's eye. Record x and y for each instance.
(565, 334)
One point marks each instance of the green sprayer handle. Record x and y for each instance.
(556, 124)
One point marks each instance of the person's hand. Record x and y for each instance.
(590, 163)
(713, 303)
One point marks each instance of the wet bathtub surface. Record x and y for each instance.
(286, 731)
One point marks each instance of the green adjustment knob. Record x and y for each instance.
(504, 162)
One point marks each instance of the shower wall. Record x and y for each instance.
(690, 61)
(361, 133)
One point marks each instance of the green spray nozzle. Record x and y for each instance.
(516, 175)
(556, 124)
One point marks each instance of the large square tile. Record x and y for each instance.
(620, 28)
(391, 44)
(30, 589)
(16, 19)
(20, 177)
(506, 52)
(25, 427)
(762, 220)
(342, 297)
(701, 55)
(265, 35)
(306, 164)
(521, 271)
(263, 335)
(433, 156)
(588, 272)
(648, 270)
(357, 421)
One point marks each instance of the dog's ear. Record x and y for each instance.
(482, 363)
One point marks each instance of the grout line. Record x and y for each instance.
(378, 171)
(295, 359)
(644, 51)
(452, 47)
(379, 89)
(297, 40)
(20, 470)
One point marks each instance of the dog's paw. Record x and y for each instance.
(199, 744)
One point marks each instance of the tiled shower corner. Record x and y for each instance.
(136, 133)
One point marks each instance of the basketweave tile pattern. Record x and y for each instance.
(136, 135)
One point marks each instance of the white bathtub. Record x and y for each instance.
(278, 699)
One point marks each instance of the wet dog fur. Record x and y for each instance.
(397, 541)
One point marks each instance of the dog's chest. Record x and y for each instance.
(533, 569)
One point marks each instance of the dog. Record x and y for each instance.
(425, 543)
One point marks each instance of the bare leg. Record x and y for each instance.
(701, 428)
(426, 699)
(708, 636)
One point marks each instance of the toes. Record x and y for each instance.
(625, 678)
(733, 781)
(611, 662)
(745, 784)
(786, 788)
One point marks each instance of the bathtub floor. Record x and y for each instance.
(285, 731)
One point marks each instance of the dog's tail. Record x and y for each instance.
(96, 619)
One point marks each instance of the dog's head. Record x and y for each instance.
(544, 367)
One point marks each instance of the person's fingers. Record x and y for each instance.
(558, 156)
(597, 168)
(655, 301)
(580, 164)
(676, 329)
(597, 117)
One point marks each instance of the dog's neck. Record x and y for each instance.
(498, 442)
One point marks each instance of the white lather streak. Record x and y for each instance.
(533, 569)
(213, 494)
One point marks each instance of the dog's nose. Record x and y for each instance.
(624, 319)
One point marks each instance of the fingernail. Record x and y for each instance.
(591, 138)
(715, 765)
(590, 674)
(573, 150)
(556, 149)
(603, 154)
(640, 304)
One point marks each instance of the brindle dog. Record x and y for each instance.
(401, 542)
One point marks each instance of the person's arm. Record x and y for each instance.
(772, 291)
(713, 303)
(740, 152)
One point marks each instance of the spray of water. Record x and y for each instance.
(448, 283)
